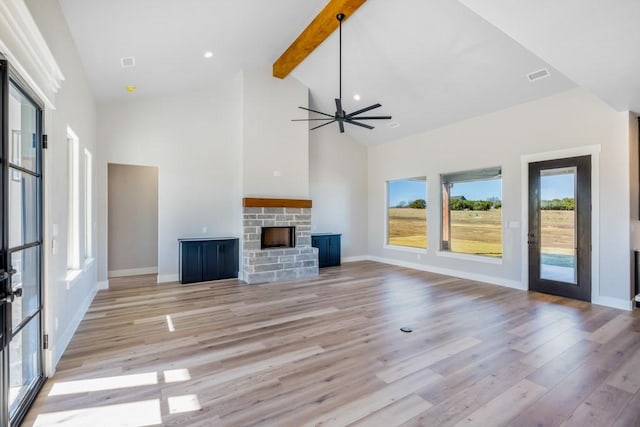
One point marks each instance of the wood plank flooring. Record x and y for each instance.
(329, 352)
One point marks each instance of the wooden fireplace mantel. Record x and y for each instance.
(251, 202)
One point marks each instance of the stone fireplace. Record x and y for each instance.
(285, 226)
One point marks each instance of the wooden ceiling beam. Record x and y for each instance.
(316, 32)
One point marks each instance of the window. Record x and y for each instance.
(407, 212)
(88, 205)
(73, 202)
(472, 212)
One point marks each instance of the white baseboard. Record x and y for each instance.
(133, 272)
(355, 258)
(166, 278)
(58, 348)
(454, 273)
(618, 303)
(103, 285)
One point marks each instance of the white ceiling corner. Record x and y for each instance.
(593, 42)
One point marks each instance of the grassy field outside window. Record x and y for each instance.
(472, 212)
(407, 212)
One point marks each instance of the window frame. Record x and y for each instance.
(88, 207)
(73, 201)
(471, 175)
(403, 248)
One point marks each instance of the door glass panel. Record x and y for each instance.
(23, 133)
(27, 276)
(23, 208)
(24, 366)
(21, 367)
(558, 225)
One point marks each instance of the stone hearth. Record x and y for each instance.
(270, 265)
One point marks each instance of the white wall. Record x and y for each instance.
(190, 138)
(338, 188)
(66, 300)
(568, 120)
(271, 141)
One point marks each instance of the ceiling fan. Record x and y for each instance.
(340, 116)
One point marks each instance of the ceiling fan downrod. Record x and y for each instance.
(340, 116)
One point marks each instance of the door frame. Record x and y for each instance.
(587, 150)
(11, 75)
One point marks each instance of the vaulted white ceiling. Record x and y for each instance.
(428, 62)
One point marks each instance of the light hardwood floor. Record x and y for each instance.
(329, 351)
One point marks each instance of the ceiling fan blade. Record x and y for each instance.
(372, 118)
(359, 124)
(316, 111)
(370, 107)
(309, 120)
(324, 124)
(341, 125)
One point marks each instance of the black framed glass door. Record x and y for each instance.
(559, 235)
(22, 367)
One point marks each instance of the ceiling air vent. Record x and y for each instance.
(128, 62)
(537, 75)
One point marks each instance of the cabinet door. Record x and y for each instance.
(210, 262)
(334, 250)
(228, 259)
(191, 262)
(323, 251)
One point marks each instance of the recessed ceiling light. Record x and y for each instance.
(537, 75)
(128, 62)
(208, 54)
(130, 88)
(356, 97)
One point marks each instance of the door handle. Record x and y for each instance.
(4, 275)
(12, 294)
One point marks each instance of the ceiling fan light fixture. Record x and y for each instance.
(340, 116)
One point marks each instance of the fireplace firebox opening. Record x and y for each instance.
(278, 237)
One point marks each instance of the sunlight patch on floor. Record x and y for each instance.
(101, 384)
(135, 414)
(176, 375)
(186, 403)
(170, 323)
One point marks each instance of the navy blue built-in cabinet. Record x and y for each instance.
(204, 259)
(328, 245)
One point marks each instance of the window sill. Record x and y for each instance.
(469, 257)
(406, 249)
(72, 277)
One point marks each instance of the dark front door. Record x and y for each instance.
(559, 235)
(20, 252)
